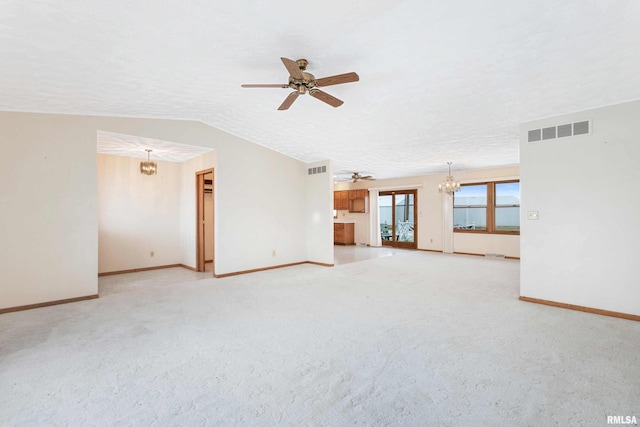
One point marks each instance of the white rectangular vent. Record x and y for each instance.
(560, 131)
(316, 170)
(497, 256)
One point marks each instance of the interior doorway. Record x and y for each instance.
(205, 221)
(398, 218)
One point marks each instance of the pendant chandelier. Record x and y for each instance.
(148, 167)
(449, 186)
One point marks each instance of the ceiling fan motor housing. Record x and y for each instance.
(308, 82)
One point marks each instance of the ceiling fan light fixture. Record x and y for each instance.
(449, 186)
(148, 167)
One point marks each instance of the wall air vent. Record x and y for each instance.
(549, 133)
(581, 128)
(316, 170)
(535, 135)
(560, 131)
(564, 130)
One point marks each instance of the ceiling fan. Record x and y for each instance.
(303, 82)
(357, 177)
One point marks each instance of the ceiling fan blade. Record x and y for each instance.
(368, 178)
(268, 85)
(292, 68)
(325, 97)
(288, 101)
(339, 79)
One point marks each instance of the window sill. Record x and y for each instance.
(508, 233)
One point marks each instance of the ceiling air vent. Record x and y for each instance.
(560, 131)
(316, 170)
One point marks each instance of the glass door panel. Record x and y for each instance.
(385, 205)
(397, 212)
(404, 217)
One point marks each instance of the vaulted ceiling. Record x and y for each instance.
(439, 80)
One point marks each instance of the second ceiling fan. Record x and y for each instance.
(303, 82)
(357, 177)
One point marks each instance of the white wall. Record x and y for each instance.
(480, 243)
(48, 210)
(430, 212)
(320, 214)
(260, 208)
(582, 250)
(49, 202)
(137, 214)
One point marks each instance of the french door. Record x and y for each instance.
(398, 218)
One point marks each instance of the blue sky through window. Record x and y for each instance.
(508, 193)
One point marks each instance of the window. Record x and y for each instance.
(470, 208)
(507, 206)
(492, 207)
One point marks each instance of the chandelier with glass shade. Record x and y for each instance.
(148, 167)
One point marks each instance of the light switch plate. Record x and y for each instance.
(533, 215)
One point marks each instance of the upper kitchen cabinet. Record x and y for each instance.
(358, 194)
(355, 201)
(341, 200)
(359, 201)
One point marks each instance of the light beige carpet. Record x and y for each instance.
(411, 339)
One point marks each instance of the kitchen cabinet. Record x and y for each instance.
(355, 201)
(358, 194)
(343, 233)
(341, 200)
(359, 201)
(359, 205)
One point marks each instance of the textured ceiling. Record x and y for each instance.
(439, 80)
(118, 144)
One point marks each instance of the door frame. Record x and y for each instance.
(392, 242)
(200, 238)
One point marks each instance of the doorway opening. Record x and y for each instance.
(398, 218)
(204, 221)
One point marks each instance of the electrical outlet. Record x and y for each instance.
(273, 253)
(152, 254)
